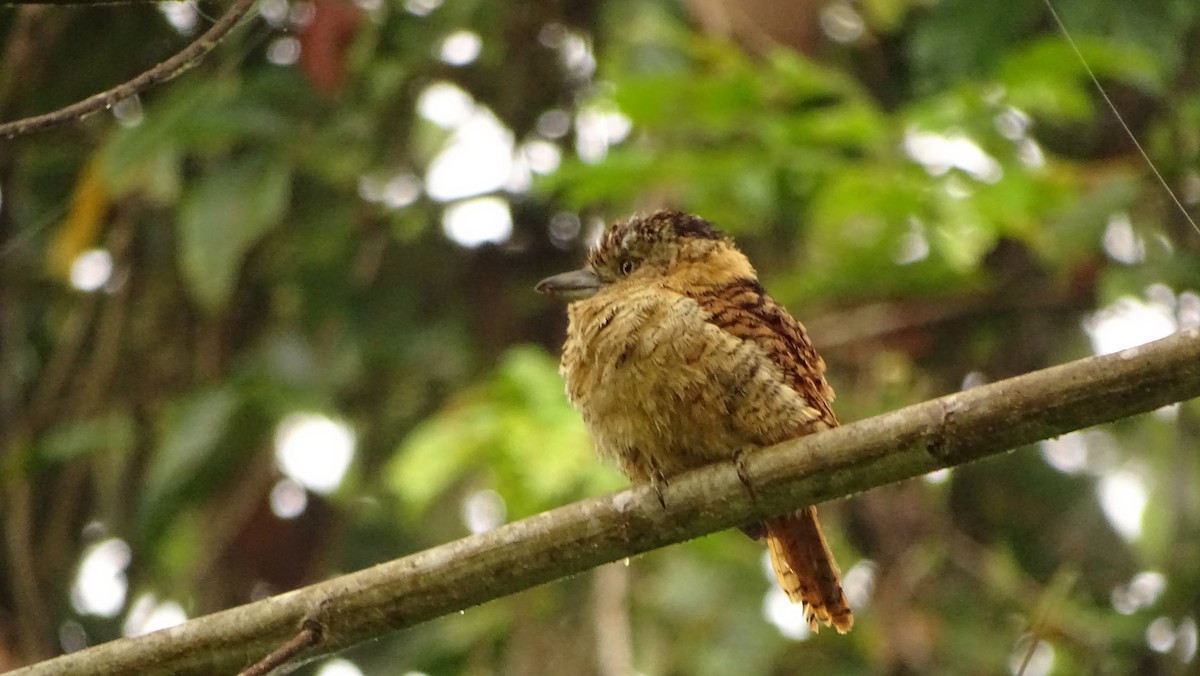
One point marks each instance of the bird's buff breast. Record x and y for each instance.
(663, 390)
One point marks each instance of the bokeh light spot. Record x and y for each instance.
(284, 51)
(148, 614)
(100, 585)
(564, 229)
(483, 511)
(460, 48)
(543, 156)
(1160, 634)
(554, 124)
(938, 476)
(1123, 497)
(1128, 322)
(939, 153)
(128, 111)
(479, 221)
(1067, 454)
(1121, 243)
(841, 22)
(445, 104)
(313, 450)
(477, 159)
(576, 54)
(1186, 640)
(72, 637)
(1027, 661)
(288, 499)
(787, 617)
(91, 270)
(421, 7)
(596, 130)
(339, 667)
(1141, 592)
(859, 583)
(181, 14)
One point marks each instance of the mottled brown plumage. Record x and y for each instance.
(677, 358)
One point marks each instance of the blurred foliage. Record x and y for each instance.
(489, 429)
(935, 188)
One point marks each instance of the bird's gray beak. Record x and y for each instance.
(573, 285)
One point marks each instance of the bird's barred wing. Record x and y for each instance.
(745, 310)
(800, 555)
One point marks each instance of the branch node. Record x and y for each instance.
(310, 634)
(314, 626)
(940, 446)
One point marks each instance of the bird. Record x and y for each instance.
(676, 358)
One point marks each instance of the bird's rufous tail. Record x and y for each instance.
(806, 570)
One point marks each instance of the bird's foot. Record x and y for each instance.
(659, 483)
(739, 463)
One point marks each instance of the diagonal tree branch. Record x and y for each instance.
(948, 431)
(167, 70)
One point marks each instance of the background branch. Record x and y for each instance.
(943, 432)
(167, 70)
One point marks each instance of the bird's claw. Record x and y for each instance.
(658, 482)
(739, 463)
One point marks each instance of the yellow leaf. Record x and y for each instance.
(80, 229)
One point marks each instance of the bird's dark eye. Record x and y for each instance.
(627, 266)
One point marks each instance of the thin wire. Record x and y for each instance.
(1128, 132)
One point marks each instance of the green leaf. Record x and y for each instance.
(516, 430)
(145, 162)
(221, 217)
(1046, 77)
(113, 430)
(206, 117)
(189, 432)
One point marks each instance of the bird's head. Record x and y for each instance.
(670, 248)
